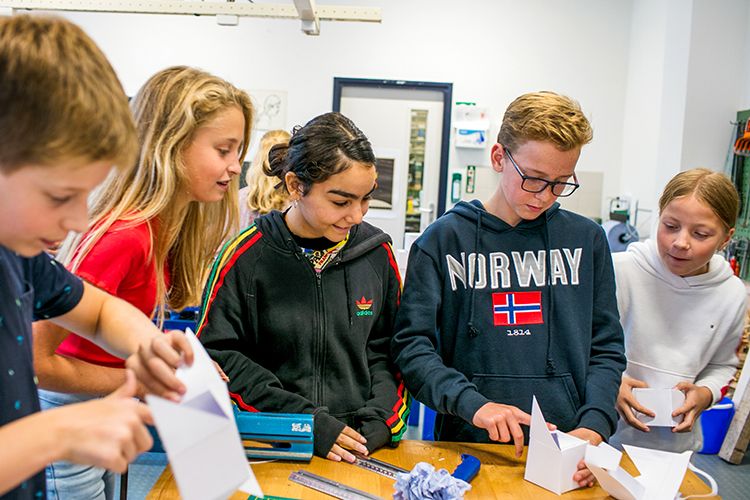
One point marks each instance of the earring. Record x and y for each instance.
(294, 203)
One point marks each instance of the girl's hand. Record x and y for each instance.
(349, 439)
(627, 403)
(697, 399)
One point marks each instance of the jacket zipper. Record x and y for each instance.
(319, 341)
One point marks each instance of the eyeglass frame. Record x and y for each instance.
(547, 184)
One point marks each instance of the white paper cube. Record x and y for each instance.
(553, 455)
(662, 402)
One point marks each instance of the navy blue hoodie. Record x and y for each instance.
(482, 320)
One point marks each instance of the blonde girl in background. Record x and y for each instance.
(152, 235)
(260, 196)
(681, 307)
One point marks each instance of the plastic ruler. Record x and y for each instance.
(378, 466)
(329, 487)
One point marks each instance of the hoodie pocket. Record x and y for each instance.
(556, 394)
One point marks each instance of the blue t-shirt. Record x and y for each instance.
(30, 289)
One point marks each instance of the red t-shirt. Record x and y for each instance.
(119, 264)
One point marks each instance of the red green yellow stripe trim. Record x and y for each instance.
(394, 266)
(239, 402)
(401, 409)
(223, 263)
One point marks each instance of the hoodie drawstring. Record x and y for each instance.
(550, 365)
(473, 332)
(349, 297)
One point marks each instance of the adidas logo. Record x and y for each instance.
(364, 306)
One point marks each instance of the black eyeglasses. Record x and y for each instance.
(537, 185)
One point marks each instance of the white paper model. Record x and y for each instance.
(662, 402)
(200, 434)
(662, 472)
(553, 455)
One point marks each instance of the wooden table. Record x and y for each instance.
(501, 475)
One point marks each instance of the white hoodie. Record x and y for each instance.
(677, 329)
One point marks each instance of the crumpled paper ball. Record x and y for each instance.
(425, 482)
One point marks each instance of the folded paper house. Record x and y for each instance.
(200, 434)
(553, 455)
(662, 402)
(662, 472)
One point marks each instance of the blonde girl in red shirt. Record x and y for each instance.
(152, 235)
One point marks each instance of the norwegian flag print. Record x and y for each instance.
(517, 308)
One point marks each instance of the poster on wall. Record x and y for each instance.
(270, 114)
(270, 109)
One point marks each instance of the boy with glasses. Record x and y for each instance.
(514, 297)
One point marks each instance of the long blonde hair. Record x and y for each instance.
(168, 110)
(262, 195)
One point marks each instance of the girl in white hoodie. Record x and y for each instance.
(681, 308)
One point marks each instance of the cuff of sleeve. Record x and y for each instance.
(327, 430)
(469, 402)
(597, 422)
(715, 391)
(377, 434)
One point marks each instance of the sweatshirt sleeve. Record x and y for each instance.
(415, 342)
(225, 329)
(607, 357)
(720, 370)
(384, 416)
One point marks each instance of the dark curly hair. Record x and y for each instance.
(325, 146)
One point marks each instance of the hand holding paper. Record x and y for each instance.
(661, 472)
(696, 399)
(553, 455)
(109, 432)
(663, 403)
(156, 360)
(627, 404)
(200, 433)
(583, 476)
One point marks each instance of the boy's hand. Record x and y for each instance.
(697, 399)
(349, 439)
(108, 432)
(503, 423)
(583, 475)
(626, 403)
(157, 359)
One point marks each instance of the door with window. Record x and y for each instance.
(407, 124)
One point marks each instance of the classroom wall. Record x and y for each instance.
(636, 66)
(717, 82)
(491, 51)
(654, 99)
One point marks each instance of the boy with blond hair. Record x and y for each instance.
(64, 122)
(514, 297)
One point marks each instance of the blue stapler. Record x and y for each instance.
(284, 436)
